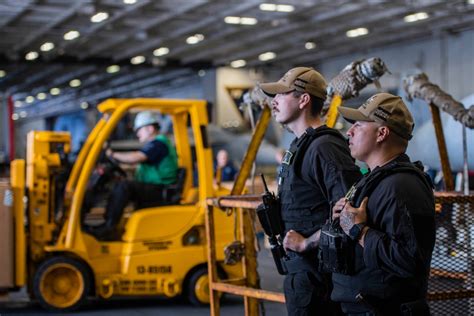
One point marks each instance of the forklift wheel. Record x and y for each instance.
(61, 284)
(198, 287)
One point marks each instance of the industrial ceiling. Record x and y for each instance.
(129, 45)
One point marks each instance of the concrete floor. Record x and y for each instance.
(19, 304)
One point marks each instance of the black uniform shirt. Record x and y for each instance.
(393, 266)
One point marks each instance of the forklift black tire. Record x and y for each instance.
(62, 284)
(197, 287)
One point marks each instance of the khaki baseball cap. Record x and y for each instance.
(384, 108)
(302, 79)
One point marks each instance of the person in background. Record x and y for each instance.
(228, 170)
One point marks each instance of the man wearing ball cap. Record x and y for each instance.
(316, 171)
(389, 215)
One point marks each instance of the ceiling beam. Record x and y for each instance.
(35, 35)
(188, 29)
(120, 38)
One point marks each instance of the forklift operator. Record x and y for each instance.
(157, 167)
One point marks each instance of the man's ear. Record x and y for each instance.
(382, 133)
(304, 99)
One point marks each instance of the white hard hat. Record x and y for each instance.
(145, 118)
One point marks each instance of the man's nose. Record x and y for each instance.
(349, 132)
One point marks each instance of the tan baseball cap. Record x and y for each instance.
(302, 79)
(384, 108)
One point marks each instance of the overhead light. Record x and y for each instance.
(240, 20)
(161, 51)
(357, 32)
(55, 91)
(137, 60)
(248, 21)
(23, 114)
(74, 83)
(99, 17)
(69, 36)
(47, 46)
(238, 63)
(3, 73)
(232, 20)
(15, 116)
(266, 56)
(129, 1)
(470, 1)
(310, 45)
(268, 7)
(112, 69)
(194, 39)
(18, 104)
(201, 73)
(31, 55)
(84, 105)
(41, 96)
(277, 7)
(416, 17)
(30, 99)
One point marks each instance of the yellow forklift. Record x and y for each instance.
(161, 250)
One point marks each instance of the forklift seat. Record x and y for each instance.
(172, 193)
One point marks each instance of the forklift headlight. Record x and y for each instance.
(195, 236)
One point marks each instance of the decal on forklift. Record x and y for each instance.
(153, 269)
(157, 245)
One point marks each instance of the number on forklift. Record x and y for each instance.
(153, 269)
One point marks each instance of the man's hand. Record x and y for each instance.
(349, 215)
(294, 241)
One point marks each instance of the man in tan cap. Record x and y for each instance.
(316, 171)
(388, 214)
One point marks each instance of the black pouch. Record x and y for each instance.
(415, 308)
(336, 250)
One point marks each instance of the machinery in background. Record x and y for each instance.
(160, 251)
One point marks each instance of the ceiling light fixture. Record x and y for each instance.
(310, 45)
(84, 105)
(276, 7)
(31, 55)
(15, 116)
(41, 96)
(161, 51)
(55, 91)
(99, 17)
(18, 104)
(112, 69)
(357, 32)
(238, 63)
(267, 56)
(69, 36)
(3, 73)
(194, 39)
(129, 1)
(137, 60)
(248, 21)
(75, 83)
(30, 99)
(47, 46)
(23, 114)
(416, 17)
(470, 1)
(232, 20)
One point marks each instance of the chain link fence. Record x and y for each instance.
(451, 283)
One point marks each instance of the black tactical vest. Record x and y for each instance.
(369, 182)
(298, 208)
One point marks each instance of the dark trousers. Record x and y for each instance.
(141, 194)
(308, 293)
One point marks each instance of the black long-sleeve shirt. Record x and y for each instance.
(393, 266)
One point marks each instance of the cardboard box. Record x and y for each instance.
(6, 237)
